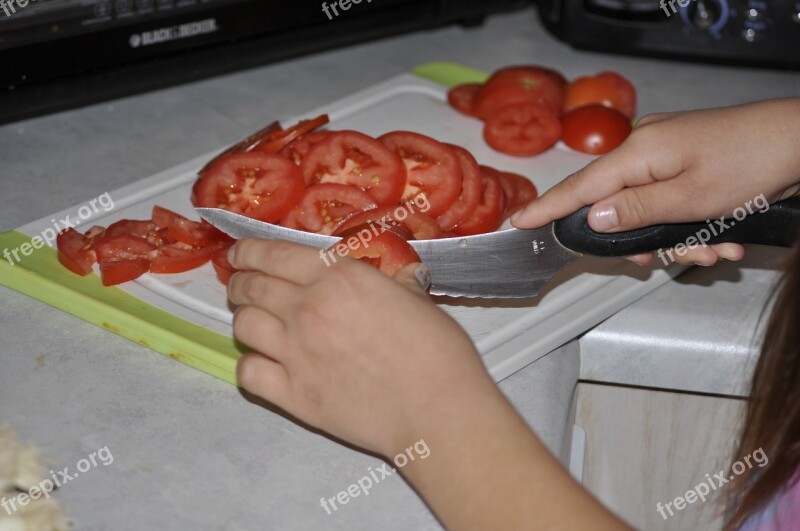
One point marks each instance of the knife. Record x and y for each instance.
(517, 263)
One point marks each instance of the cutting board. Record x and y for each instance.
(187, 316)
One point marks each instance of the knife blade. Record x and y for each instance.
(517, 263)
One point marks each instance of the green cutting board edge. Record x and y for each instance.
(42, 277)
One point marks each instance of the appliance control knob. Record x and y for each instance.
(704, 13)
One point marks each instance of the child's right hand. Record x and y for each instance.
(681, 167)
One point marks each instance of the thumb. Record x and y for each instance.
(643, 206)
(415, 277)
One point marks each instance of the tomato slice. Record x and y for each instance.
(279, 138)
(184, 230)
(113, 272)
(325, 206)
(489, 214)
(297, 150)
(470, 190)
(526, 192)
(524, 129)
(420, 226)
(595, 129)
(125, 247)
(608, 89)
(179, 257)
(387, 252)
(462, 98)
(433, 169)
(524, 84)
(348, 157)
(259, 185)
(222, 266)
(75, 252)
(627, 92)
(509, 185)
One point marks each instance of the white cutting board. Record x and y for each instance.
(509, 334)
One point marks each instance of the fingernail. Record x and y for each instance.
(603, 218)
(423, 275)
(231, 254)
(516, 215)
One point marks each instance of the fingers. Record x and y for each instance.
(600, 179)
(260, 331)
(285, 260)
(269, 293)
(265, 378)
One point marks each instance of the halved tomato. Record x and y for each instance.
(259, 185)
(595, 129)
(349, 157)
(522, 130)
(115, 272)
(488, 216)
(325, 206)
(608, 89)
(524, 84)
(462, 98)
(470, 190)
(387, 252)
(419, 225)
(433, 169)
(75, 252)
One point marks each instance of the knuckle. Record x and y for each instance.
(242, 317)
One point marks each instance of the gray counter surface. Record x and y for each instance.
(189, 451)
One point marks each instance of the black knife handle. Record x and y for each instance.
(778, 227)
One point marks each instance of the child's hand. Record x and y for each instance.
(682, 167)
(348, 350)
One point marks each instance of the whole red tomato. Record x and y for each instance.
(528, 84)
(595, 129)
(607, 88)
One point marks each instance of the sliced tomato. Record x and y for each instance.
(75, 252)
(115, 272)
(526, 192)
(280, 138)
(525, 84)
(184, 230)
(259, 185)
(349, 157)
(470, 190)
(595, 129)
(325, 206)
(433, 169)
(297, 150)
(179, 257)
(489, 214)
(420, 226)
(462, 98)
(608, 89)
(387, 252)
(124, 247)
(222, 266)
(509, 186)
(522, 130)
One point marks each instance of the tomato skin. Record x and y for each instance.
(517, 85)
(433, 169)
(349, 157)
(114, 272)
(462, 98)
(325, 206)
(595, 129)
(75, 252)
(522, 130)
(222, 266)
(419, 225)
(470, 190)
(262, 186)
(488, 216)
(388, 252)
(608, 89)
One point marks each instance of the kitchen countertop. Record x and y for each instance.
(189, 451)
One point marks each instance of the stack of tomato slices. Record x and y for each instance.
(326, 182)
(527, 109)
